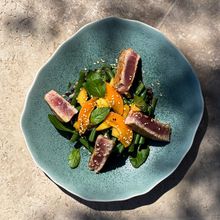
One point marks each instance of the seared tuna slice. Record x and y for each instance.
(126, 69)
(102, 150)
(148, 126)
(63, 109)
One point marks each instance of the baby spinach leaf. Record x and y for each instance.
(74, 158)
(99, 73)
(98, 115)
(93, 75)
(58, 124)
(140, 157)
(95, 88)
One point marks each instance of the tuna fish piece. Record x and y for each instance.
(126, 69)
(102, 150)
(63, 109)
(148, 126)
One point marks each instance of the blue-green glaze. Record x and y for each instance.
(181, 105)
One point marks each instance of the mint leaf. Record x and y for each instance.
(74, 158)
(58, 124)
(140, 157)
(98, 115)
(95, 88)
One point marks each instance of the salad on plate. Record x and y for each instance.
(110, 112)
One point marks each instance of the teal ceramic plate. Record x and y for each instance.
(165, 68)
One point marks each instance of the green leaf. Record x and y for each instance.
(140, 103)
(99, 73)
(74, 158)
(58, 124)
(93, 75)
(140, 157)
(98, 115)
(95, 88)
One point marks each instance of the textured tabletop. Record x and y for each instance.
(30, 31)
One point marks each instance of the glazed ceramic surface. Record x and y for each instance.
(164, 68)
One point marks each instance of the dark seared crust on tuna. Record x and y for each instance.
(102, 150)
(126, 69)
(148, 126)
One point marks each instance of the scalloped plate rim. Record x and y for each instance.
(129, 196)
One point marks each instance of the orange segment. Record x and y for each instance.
(115, 133)
(103, 126)
(101, 102)
(76, 125)
(126, 111)
(112, 82)
(82, 97)
(114, 99)
(84, 115)
(125, 133)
